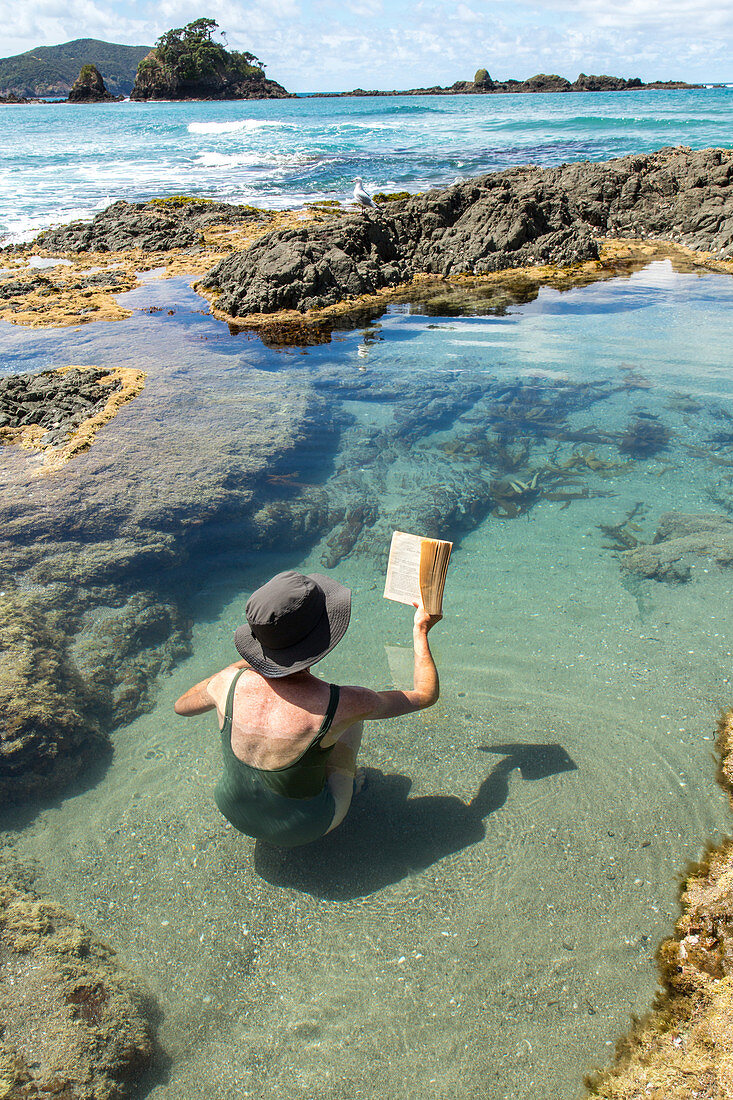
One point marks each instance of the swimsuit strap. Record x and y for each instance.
(229, 709)
(333, 703)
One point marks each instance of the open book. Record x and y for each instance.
(416, 570)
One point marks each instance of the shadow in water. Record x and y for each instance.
(387, 835)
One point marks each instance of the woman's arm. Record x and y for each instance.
(371, 705)
(197, 700)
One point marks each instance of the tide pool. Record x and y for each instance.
(485, 920)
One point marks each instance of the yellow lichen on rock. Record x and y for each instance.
(683, 1050)
(58, 297)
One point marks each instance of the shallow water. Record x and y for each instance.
(484, 922)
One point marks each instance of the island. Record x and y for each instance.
(482, 84)
(50, 71)
(187, 63)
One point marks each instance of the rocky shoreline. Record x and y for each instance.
(681, 1049)
(82, 624)
(517, 218)
(296, 275)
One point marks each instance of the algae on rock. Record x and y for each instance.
(74, 1023)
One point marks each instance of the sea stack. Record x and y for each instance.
(89, 87)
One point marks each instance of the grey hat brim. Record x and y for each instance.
(325, 636)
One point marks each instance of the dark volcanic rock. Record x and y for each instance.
(156, 226)
(58, 401)
(90, 88)
(508, 219)
(604, 83)
(543, 82)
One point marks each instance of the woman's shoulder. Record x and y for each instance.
(221, 682)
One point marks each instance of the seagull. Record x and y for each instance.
(361, 197)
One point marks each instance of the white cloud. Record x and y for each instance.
(333, 45)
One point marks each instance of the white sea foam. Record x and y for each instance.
(234, 127)
(281, 161)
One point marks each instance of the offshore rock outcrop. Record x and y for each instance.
(678, 541)
(482, 84)
(523, 216)
(74, 1023)
(89, 87)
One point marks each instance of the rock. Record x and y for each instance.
(544, 83)
(679, 538)
(75, 1024)
(515, 218)
(90, 88)
(541, 82)
(604, 83)
(57, 401)
(157, 226)
(48, 729)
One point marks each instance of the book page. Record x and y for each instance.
(403, 569)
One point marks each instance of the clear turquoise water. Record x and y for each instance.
(429, 948)
(60, 161)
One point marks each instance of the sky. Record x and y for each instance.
(336, 45)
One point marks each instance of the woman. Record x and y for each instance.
(289, 740)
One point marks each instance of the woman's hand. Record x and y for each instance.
(423, 622)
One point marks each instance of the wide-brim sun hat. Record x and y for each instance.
(293, 621)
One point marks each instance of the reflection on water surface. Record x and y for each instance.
(485, 920)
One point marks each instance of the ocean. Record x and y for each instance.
(58, 163)
(485, 921)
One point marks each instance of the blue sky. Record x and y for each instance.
(333, 45)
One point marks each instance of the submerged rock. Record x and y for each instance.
(48, 729)
(520, 217)
(680, 538)
(74, 1023)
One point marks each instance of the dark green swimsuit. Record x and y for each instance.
(286, 806)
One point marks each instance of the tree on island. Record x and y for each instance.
(193, 54)
(187, 63)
